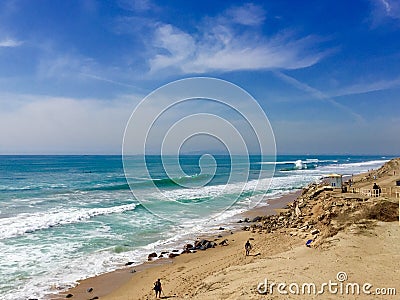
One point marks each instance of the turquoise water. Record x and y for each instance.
(64, 218)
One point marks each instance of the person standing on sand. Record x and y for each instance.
(247, 246)
(157, 288)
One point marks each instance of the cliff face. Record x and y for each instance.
(386, 176)
(390, 168)
(321, 212)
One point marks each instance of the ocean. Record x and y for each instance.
(65, 218)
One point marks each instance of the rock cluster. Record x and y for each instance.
(321, 212)
(202, 244)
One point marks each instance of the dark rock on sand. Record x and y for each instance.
(204, 244)
(69, 296)
(172, 255)
(315, 231)
(188, 247)
(151, 256)
(129, 263)
(224, 243)
(257, 219)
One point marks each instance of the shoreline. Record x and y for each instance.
(326, 231)
(121, 276)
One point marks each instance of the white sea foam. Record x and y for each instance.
(298, 164)
(373, 163)
(63, 270)
(353, 168)
(308, 160)
(30, 222)
(261, 185)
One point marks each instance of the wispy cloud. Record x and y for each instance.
(229, 42)
(53, 65)
(387, 6)
(391, 8)
(44, 124)
(136, 5)
(115, 82)
(316, 94)
(384, 10)
(10, 43)
(180, 46)
(248, 14)
(367, 87)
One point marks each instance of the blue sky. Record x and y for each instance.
(326, 73)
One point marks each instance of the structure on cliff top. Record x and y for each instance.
(335, 180)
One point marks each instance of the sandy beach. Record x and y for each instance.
(353, 246)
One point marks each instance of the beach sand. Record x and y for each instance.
(368, 251)
(371, 256)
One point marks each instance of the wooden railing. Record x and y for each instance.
(384, 192)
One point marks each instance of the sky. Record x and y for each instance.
(326, 73)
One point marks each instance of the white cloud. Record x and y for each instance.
(367, 87)
(64, 65)
(386, 5)
(10, 43)
(43, 124)
(219, 47)
(180, 47)
(78, 68)
(136, 5)
(384, 10)
(391, 8)
(248, 14)
(315, 93)
(115, 82)
(230, 41)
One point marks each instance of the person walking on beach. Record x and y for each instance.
(157, 288)
(247, 247)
